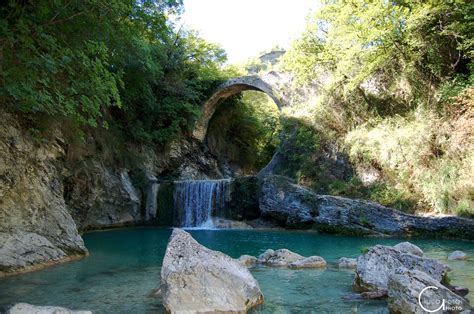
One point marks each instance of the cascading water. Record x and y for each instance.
(196, 200)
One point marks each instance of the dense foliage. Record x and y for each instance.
(244, 131)
(120, 64)
(395, 80)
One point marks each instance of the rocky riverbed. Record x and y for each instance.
(195, 279)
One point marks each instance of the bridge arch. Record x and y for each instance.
(231, 87)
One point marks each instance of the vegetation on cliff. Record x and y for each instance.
(396, 94)
(394, 84)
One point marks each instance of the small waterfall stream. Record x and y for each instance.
(196, 200)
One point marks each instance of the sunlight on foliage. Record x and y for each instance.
(395, 92)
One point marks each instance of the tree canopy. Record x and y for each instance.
(395, 93)
(118, 63)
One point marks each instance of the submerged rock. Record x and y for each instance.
(405, 286)
(462, 291)
(407, 247)
(369, 295)
(375, 266)
(247, 260)
(457, 255)
(195, 279)
(221, 223)
(309, 262)
(345, 262)
(279, 258)
(25, 308)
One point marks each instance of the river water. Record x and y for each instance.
(124, 268)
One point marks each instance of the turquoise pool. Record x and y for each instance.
(124, 268)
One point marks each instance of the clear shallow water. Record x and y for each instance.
(124, 267)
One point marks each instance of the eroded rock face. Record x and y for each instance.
(35, 226)
(375, 266)
(407, 247)
(195, 279)
(309, 262)
(99, 196)
(405, 286)
(25, 308)
(293, 206)
(21, 250)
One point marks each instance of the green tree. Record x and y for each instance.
(120, 63)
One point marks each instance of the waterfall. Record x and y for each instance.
(196, 201)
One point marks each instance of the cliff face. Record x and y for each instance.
(99, 196)
(46, 199)
(35, 225)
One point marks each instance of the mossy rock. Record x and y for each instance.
(244, 199)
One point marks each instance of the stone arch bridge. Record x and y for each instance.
(269, 84)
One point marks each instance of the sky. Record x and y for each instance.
(244, 28)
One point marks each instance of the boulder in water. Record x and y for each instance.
(263, 258)
(247, 260)
(457, 255)
(375, 266)
(25, 308)
(195, 279)
(408, 288)
(407, 247)
(309, 262)
(345, 262)
(279, 258)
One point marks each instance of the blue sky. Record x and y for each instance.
(244, 28)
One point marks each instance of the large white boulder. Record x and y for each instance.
(375, 266)
(279, 258)
(309, 262)
(408, 288)
(195, 279)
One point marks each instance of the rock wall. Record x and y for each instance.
(99, 196)
(46, 196)
(243, 204)
(293, 206)
(35, 225)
